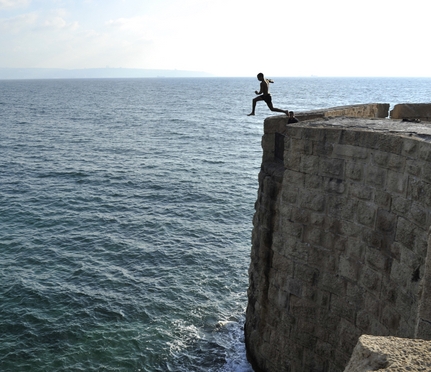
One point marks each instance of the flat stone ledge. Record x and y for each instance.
(420, 130)
(376, 353)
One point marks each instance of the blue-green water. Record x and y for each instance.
(126, 213)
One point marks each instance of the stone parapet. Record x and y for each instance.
(418, 111)
(367, 110)
(340, 240)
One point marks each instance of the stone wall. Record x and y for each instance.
(340, 240)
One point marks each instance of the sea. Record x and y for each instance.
(126, 210)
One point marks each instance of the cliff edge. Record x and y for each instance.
(341, 237)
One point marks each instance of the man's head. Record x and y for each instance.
(260, 76)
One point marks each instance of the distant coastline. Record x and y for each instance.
(93, 73)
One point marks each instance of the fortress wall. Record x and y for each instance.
(340, 240)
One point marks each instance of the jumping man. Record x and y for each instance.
(264, 95)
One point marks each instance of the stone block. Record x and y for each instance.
(324, 349)
(275, 124)
(349, 268)
(388, 160)
(363, 321)
(372, 304)
(377, 259)
(421, 244)
(361, 191)
(425, 170)
(389, 143)
(278, 297)
(374, 353)
(411, 111)
(314, 201)
(350, 229)
(313, 235)
(371, 279)
(391, 319)
(303, 309)
(317, 219)
(333, 168)
(354, 170)
(355, 248)
(305, 339)
(366, 213)
(292, 160)
(373, 238)
(294, 131)
(323, 148)
(424, 152)
(355, 294)
(291, 177)
(407, 306)
(334, 185)
(349, 336)
(289, 194)
(410, 148)
(306, 274)
(294, 286)
(267, 144)
(310, 164)
(333, 283)
(424, 331)
(282, 264)
(383, 199)
(341, 207)
(314, 362)
(318, 256)
(386, 221)
(293, 249)
(400, 274)
(401, 205)
(396, 182)
(290, 229)
(350, 151)
(376, 176)
(406, 232)
(419, 191)
(301, 216)
(313, 134)
(419, 215)
(313, 181)
(415, 169)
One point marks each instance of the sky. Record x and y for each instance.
(220, 37)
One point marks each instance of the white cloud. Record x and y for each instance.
(19, 23)
(7, 4)
(224, 37)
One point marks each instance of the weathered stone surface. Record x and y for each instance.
(420, 111)
(390, 354)
(340, 239)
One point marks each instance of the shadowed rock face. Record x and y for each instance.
(340, 240)
(421, 111)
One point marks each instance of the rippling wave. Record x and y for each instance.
(126, 216)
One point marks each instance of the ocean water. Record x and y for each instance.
(126, 211)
